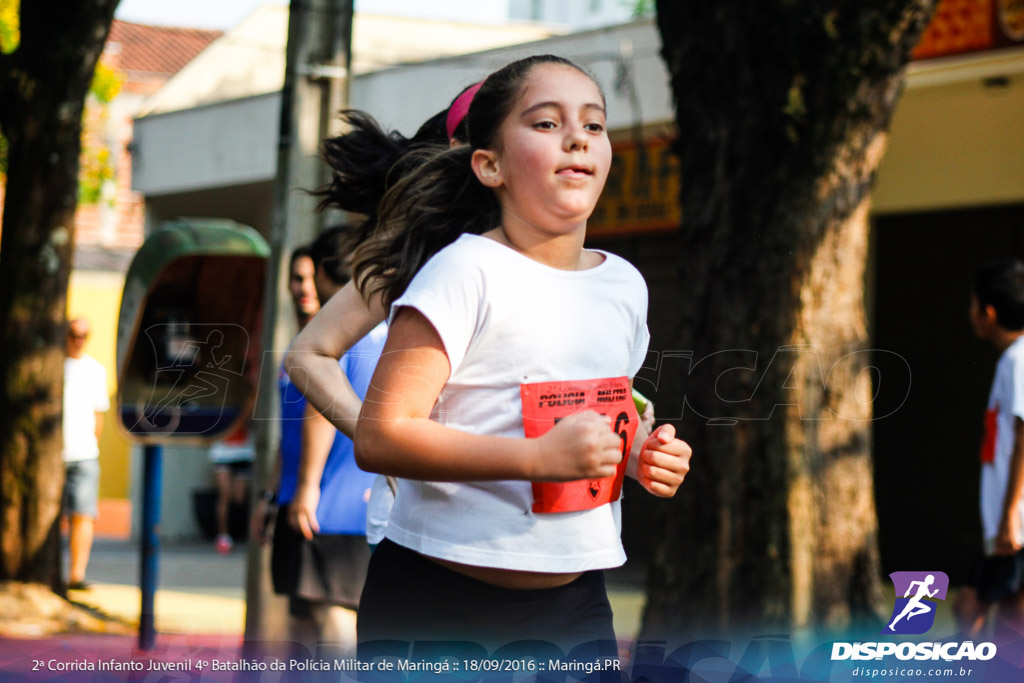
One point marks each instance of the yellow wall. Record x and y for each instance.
(956, 136)
(97, 297)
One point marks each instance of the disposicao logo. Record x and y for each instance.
(917, 599)
(914, 613)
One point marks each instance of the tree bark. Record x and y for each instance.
(782, 110)
(43, 85)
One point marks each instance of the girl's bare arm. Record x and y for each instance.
(312, 360)
(397, 437)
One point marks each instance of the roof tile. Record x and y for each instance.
(157, 49)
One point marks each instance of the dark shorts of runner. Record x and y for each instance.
(284, 554)
(411, 598)
(997, 577)
(330, 568)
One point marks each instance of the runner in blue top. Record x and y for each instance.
(284, 472)
(328, 511)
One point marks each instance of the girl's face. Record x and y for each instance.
(552, 154)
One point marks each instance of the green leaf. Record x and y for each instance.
(10, 26)
(106, 82)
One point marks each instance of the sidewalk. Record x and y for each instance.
(199, 591)
(200, 617)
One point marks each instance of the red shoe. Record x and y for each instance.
(224, 544)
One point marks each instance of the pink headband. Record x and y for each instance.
(459, 109)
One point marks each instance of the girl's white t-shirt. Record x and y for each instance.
(507, 320)
(378, 510)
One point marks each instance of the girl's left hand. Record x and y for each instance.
(664, 462)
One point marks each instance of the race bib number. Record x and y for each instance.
(545, 403)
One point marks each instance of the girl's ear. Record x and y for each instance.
(485, 166)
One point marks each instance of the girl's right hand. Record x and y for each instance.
(581, 446)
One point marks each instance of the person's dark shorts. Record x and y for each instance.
(997, 577)
(82, 487)
(411, 598)
(240, 469)
(284, 554)
(330, 568)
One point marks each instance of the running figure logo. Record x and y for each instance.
(914, 613)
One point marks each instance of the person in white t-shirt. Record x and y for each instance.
(997, 315)
(85, 402)
(510, 329)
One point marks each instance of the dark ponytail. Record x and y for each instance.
(423, 213)
(439, 197)
(364, 162)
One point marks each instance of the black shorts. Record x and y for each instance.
(330, 568)
(997, 577)
(284, 554)
(411, 598)
(241, 469)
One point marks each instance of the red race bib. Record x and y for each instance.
(988, 439)
(545, 403)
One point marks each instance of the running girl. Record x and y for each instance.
(511, 328)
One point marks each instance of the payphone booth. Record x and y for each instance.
(187, 352)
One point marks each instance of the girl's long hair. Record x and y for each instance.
(438, 196)
(365, 161)
(421, 214)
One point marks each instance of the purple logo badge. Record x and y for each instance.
(914, 612)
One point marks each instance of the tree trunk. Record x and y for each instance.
(782, 111)
(43, 85)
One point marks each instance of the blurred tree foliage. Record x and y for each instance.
(642, 8)
(9, 38)
(97, 162)
(9, 32)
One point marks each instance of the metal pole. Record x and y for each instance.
(319, 34)
(151, 494)
(267, 431)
